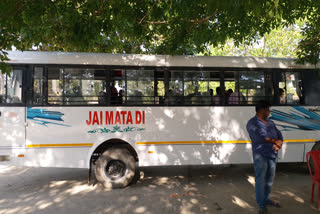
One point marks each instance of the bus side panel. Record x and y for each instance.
(195, 135)
(160, 135)
(196, 154)
(12, 127)
(12, 133)
(47, 157)
(61, 133)
(291, 152)
(216, 135)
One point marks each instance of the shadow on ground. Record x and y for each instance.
(187, 189)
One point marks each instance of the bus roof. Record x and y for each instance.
(79, 58)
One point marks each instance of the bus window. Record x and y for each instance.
(214, 87)
(269, 87)
(2, 88)
(252, 86)
(200, 88)
(99, 84)
(247, 87)
(38, 97)
(11, 87)
(282, 88)
(140, 87)
(117, 87)
(196, 88)
(160, 84)
(55, 86)
(290, 88)
(74, 86)
(81, 86)
(175, 93)
(231, 86)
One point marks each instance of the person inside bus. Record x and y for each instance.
(228, 94)
(76, 98)
(169, 100)
(235, 98)
(266, 141)
(136, 98)
(211, 92)
(204, 98)
(102, 98)
(299, 91)
(120, 97)
(114, 95)
(282, 97)
(211, 95)
(216, 98)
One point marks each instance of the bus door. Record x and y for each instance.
(12, 110)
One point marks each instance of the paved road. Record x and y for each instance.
(205, 189)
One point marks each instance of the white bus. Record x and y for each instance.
(114, 113)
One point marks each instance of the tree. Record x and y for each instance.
(280, 42)
(309, 47)
(145, 26)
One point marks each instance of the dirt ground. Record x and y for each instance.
(187, 189)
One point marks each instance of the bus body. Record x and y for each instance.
(59, 109)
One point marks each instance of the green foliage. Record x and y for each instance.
(155, 27)
(309, 47)
(4, 67)
(280, 42)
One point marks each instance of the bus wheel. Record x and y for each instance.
(115, 168)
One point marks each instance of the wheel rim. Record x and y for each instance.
(115, 169)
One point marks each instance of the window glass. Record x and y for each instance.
(252, 86)
(11, 87)
(231, 83)
(160, 96)
(215, 88)
(161, 90)
(38, 97)
(2, 87)
(55, 86)
(76, 86)
(117, 89)
(290, 88)
(175, 92)
(282, 88)
(196, 88)
(193, 87)
(140, 87)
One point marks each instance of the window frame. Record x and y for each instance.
(24, 87)
(27, 94)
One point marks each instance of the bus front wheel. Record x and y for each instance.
(115, 168)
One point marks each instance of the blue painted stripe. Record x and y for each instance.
(301, 117)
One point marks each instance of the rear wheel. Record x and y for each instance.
(115, 168)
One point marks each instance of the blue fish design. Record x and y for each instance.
(299, 116)
(38, 114)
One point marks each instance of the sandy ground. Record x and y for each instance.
(188, 189)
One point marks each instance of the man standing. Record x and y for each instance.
(266, 141)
